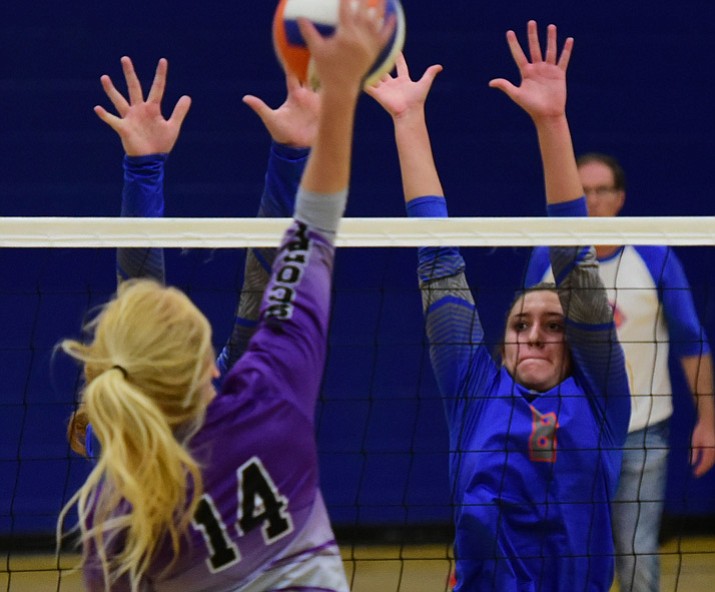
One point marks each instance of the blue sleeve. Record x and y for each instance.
(434, 262)
(537, 266)
(460, 359)
(142, 197)
(686, 333)
(283, 175)
(598, 360)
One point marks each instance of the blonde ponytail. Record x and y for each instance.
(148, 370)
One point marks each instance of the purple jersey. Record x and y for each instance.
(261, 517)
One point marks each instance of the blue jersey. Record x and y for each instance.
(654, 314)
(532, 474)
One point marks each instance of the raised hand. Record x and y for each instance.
(399, 94)
(140, 124)
(295, 122)
(542, 92)
(343, 59)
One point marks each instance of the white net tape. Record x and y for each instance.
(31, 232)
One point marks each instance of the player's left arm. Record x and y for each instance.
(594, 346)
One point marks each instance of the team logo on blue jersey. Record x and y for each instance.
(542, 443)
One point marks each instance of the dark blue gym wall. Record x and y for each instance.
(640, 86)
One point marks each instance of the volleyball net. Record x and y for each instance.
(380, 425)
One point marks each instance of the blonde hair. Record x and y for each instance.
(148, 369)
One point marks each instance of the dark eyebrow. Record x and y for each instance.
(557, 315)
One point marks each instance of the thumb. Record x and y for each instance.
(257, 106)
(111, 120)
(431, 73)
(695, 459)
(503, 85)
(180, 110)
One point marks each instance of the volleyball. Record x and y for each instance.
(293, 53)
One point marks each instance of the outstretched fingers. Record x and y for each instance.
(430, 74)
(517, 53)
(401, 65)
(551, 44)
(532, 34)
(180, 110)
(552, 49)
(257, 105)
(292, 83)
(310, 34)
(134, 87)
(503, 85)
(111, 120)
(566, 54)
(158, 86)
(117, 99)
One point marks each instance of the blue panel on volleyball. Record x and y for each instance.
(294, 36)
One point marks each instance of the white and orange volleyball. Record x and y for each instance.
(293, 52)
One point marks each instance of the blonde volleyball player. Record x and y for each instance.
(197, 489)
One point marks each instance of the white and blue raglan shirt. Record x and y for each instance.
(654, 314)
(532, 473)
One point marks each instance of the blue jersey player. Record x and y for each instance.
(195, 489)
(535, 441)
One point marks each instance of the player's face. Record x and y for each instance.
(535, 351)
(602, 198)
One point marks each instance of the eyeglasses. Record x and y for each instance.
(600, 191)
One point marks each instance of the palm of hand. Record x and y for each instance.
(144, 130)
(543, 90)
(295, 122)
(396, 95)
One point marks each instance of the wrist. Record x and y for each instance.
(145, 164)
(705, 408)
(340, 91)
(289, 151)
(412, 116)
(553, 122)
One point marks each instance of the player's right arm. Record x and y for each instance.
(147, 139)
(453, 325)
(290, 343)
(292, 127)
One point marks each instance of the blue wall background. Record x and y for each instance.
(640, 84)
